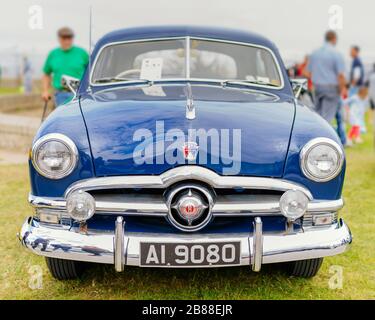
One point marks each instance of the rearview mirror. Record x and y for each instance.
(70, 83)
(299, 86)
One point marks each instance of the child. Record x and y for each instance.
(358, 103)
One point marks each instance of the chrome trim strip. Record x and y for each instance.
(183, 173)
(98, 247)
(196, 81)
(131, 204)
(256, 259)
(126, 208)
(245, 209)
(92, 84)
(118, 245)
(104, 207)
(161, 209)
(187, 57)
(325, 205)
(47, 202)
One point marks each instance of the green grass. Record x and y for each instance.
(102, 282)
(9, 90)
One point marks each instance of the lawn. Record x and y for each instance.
(4, 90)
(102, 282)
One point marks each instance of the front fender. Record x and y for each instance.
(307, 126)
(65, 120)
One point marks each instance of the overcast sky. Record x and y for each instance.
(296, 26)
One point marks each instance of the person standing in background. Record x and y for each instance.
(67, 60)
(27, 76)
(301, 71)
(358, 104)
(371, 85)
(357, 76)
(357, 71)
(326, 68)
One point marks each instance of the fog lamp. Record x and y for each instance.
(293, 204)
(80, 205)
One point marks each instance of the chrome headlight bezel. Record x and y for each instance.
(67, 142)
(309, 147)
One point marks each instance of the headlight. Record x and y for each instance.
(321, 159)
(54, 156)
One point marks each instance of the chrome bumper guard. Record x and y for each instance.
(123, 248)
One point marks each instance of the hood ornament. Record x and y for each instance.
(190, 107)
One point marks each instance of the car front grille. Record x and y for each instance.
(146, 196)
(152, 202)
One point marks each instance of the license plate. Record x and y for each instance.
(190, 254)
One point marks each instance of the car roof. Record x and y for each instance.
(151, 32)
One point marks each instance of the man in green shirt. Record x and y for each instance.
(67, 60)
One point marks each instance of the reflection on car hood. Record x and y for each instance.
(113, 117)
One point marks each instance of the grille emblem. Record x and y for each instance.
(190, 207)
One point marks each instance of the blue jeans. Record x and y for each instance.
(62, 97)
(341, 123)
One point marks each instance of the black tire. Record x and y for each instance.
(65, 269)
(305, 268)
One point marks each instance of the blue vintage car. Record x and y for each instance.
(185, 147)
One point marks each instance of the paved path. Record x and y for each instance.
(9, 102)
(27, 123)
(9, 157)
(17, 132)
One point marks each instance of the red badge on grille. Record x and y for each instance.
(189, 209)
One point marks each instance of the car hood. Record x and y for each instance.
(121, 122)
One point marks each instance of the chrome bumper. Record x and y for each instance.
(122, 248)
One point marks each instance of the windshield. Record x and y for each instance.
(186, 58)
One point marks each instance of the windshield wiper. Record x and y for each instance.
(247, 82)
(117, 79)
